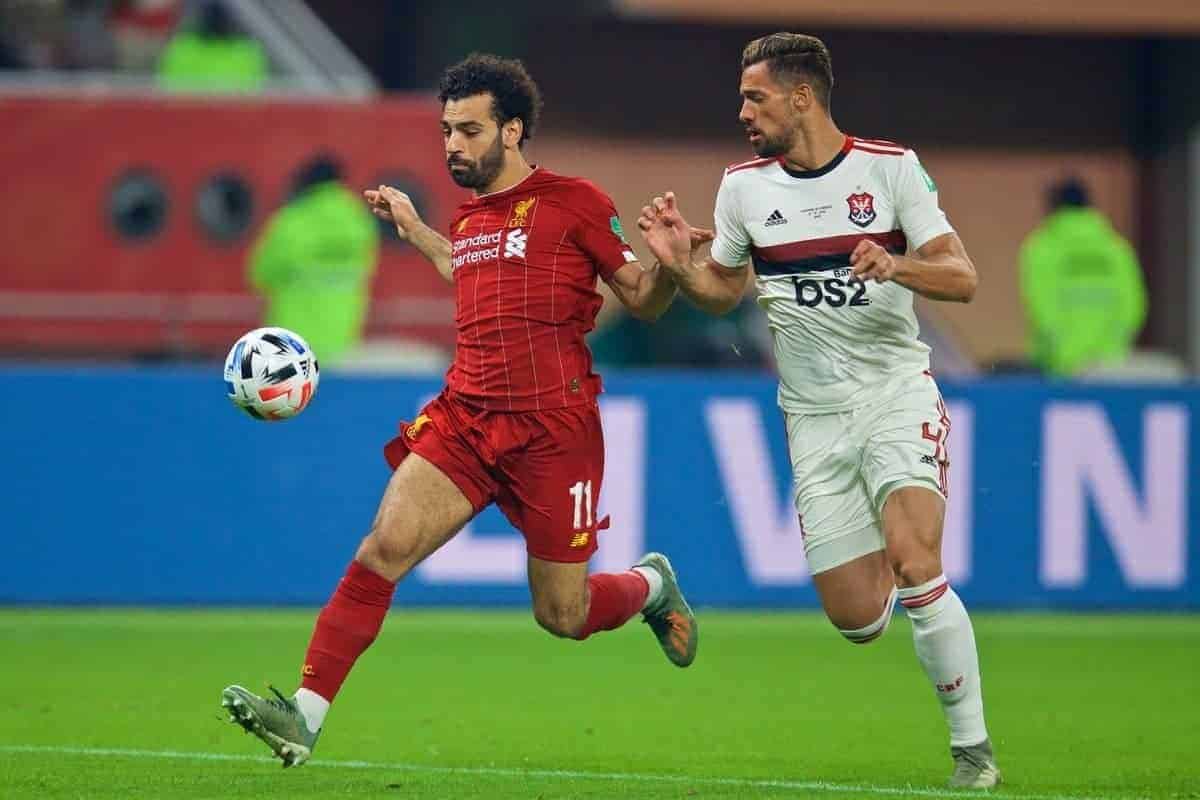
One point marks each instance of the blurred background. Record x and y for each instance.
(176, 173)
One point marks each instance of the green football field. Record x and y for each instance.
(125, 704)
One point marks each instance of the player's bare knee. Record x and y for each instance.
(866, 623)
(915, 568)
(387, 552)
(846, 621)
(564, 620)
(849, 621)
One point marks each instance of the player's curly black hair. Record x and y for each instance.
(514, 94)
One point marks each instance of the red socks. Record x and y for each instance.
(614, 600)
(345, 628)
(351, 620)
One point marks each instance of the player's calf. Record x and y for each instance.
(858, 595)
(874, 629)
(564, 620)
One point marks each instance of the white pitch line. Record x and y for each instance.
(749, 783)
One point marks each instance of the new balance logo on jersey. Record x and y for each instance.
(514, 243)
(776, 218)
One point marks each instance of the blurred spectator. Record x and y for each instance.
(140, 30)
(212, 55)
(31, 33)
(314, 260)
(85, 34)
(1084, 296)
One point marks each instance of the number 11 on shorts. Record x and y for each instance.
(582, 493)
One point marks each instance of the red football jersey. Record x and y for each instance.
(525, 263)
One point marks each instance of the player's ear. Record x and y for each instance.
(802, 97)
(512, 131)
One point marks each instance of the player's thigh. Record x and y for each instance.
(550, 486)
(421, 510)
(913, 518)
(842, 539)
(906, 464)
(559, 594)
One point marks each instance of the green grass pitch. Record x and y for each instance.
(125, 704)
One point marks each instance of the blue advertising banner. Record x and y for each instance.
(144, 486)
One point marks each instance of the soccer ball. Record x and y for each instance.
(271, 374)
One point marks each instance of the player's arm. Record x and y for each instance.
(396, 207)
(713, 287)
(940, 269)
(648, 293)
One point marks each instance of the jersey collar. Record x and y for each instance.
(847, 146)
(513, 188)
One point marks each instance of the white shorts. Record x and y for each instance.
(845, 464)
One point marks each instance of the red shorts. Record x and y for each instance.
(542, 468)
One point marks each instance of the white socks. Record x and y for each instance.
(945, 645)
(312, 707)
(655, 580)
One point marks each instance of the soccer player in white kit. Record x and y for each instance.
(841, 232)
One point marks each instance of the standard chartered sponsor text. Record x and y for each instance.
(480, 247)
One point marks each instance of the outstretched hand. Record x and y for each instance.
(393, 206)
(668, 235)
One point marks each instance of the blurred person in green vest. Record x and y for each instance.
(1082, 286)
(314, 260)
(212, 56)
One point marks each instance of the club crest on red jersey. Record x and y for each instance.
(862, 209)
(520, 212)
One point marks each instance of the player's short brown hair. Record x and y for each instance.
(514, 94)
(794, 57)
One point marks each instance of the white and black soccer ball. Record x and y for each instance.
(271, 373)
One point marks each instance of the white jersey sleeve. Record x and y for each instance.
(916, 198)
(731, 247)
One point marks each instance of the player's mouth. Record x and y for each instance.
(754, 136)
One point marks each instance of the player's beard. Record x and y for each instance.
(772, 146)
(482, 173)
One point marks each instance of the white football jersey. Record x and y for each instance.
(836, 337)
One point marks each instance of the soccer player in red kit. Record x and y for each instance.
(517, 423)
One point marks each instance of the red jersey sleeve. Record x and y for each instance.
(598, 229)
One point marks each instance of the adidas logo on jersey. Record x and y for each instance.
(776, 218)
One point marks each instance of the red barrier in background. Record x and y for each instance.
(70, 283)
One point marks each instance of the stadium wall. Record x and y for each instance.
(136, 237)
(153, 490)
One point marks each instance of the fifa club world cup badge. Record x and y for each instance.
(862, 209)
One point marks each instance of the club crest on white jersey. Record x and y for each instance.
(836, 337)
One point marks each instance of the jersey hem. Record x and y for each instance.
(871, 393)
